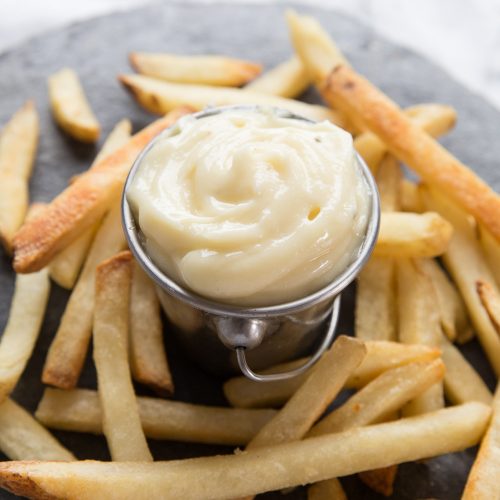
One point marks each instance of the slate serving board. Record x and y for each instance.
(98, 50)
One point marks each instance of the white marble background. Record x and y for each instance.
(463, 36)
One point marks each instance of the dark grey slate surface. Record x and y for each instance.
(98, 49)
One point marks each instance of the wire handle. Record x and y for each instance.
(257, 377)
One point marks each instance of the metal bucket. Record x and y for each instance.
(223, 338)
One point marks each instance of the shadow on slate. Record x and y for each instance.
(97, 49)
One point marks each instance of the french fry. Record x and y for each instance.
(69, 347)
(461, 382)
(380, 480)
(204, 70)
(71, 108)
(66, 265)
(79, 410)
(23, 438)
(330, 489)
(244, 393)
(410, 197)
(161, 97)
(404, 234)
(465, 262)
(452, 310)
(18, 144)
(491, 302)
(419, 323)
(491, 249)
(148, 360)
(482, 483)
(289, 79)
(383, 395)
(26, 314)
(358, 98)
(82, 203)
(375, 307)
(255, 471)
(120, 413)
(314, 395)
(435, 119)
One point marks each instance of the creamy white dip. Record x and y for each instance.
(249, 208)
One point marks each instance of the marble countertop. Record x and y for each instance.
(461, 36)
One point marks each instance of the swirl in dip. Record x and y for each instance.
(251, 208)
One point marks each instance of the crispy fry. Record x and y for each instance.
(67, 352)
(120, 413)
(330, 489)
(79, 410)
(454, 320)
(410, 197)
(71, 108)
(435, 119)
(461, 382)
(491, 249)
(204, 70)
(148, 360)
(389, 177)
(160, 97)
(23, 326)
(490, 299)
(18, 144)
(382, 396)
(82, 203)
(419, 323)
(66, 265)
(255, 471)
(404, 234)
(357, 97)
(23, 438)
(380, 480)
(244, 393)
(289, 79)
(482, 483)
(465, 262)
(314, 395)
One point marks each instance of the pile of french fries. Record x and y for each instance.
(432, 282)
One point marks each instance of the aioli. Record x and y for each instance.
(250, 208)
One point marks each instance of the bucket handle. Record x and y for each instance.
(257, 377)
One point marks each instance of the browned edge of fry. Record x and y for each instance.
(490, 301)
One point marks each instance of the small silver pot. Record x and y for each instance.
(222, 337)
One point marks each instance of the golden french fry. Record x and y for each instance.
(465, 262)
(389, 177)
(289, 79)
(383, 395)
(255, 471)
(120, 413)
(79, 410)
(204, 70)
(82, 203)
(381, 355)
(357, 97)
(160, 97)
(18, 144)
(66, 265)
(410, 197)
(69, 347)
(148, 360)
(419, 323)
(490, 299)
(491, 249)
(71, 108)
(435, 119)
(314, 395)
(330, 489)
(451, 307)
(380, 480)
(23, 438)
(26, 314)
(404, 234)
(482, 483)
(461, 382)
